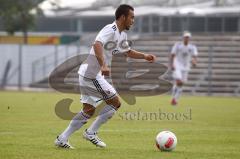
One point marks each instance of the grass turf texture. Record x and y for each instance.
(29, 125)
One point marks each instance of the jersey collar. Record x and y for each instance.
(114, 23)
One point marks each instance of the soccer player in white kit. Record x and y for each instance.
(111, 40)
(183, 54)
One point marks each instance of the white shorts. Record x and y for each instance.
(94, 91)
(180, 75)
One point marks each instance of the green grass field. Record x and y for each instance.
(208, 128)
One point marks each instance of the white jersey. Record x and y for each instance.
(112, 41)
(183, 55)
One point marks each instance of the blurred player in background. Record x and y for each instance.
(183, 54)
(93, 86)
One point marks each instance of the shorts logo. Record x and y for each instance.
(108, 92)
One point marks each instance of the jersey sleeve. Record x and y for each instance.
(105, 35)
(195, 51)
(174, 49)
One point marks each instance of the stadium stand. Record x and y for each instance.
(217, 72)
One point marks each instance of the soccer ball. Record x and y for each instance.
(166, 141)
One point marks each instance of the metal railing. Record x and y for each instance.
(43, 66)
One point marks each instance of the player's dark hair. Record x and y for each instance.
(123, 9)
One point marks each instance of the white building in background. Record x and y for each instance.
(152, 16)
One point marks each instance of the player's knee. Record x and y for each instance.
(118, 105)
(90, 112)
(179, 83)
(88, 109)
(114, 102)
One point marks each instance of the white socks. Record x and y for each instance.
(77, 122)
(81, 118)
(107, 112)
(176, 92)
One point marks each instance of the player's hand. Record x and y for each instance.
(105, 70)
(150, 58)
(194, 62)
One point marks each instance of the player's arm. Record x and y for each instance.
(139, 55)
(172, 57)
(194, 57)
(98, 49)
(194, 61)
(102, 38)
